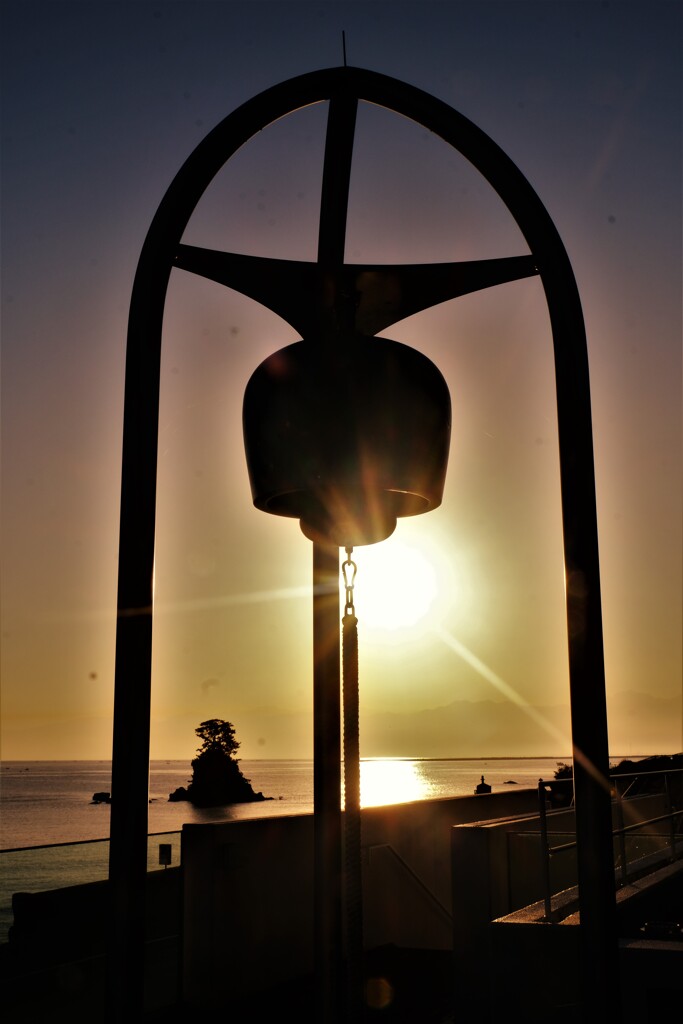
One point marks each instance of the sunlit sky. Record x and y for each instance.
(102, 103)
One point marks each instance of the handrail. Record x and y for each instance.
(80, 842)
(58, 868)
(548, 851)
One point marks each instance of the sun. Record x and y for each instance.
(396, 585)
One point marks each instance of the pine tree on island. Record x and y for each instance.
(216, 776)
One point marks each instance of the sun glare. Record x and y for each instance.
(396, 585)
(391, 782)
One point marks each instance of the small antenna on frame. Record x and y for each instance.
(344, 46)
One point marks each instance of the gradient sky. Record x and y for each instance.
(102, 103)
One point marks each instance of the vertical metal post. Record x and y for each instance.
(621, 833)
(326, 621)
(132, 691)
(599, 950)
(670, 810)
(327, 782)
(545, 851)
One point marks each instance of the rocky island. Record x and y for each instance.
(217, 779)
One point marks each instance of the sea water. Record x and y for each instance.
(47, 802)
(53, 835)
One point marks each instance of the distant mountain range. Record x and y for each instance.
(638, 724)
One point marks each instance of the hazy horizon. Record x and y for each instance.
(475, 729)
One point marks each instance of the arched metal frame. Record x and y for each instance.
(312, 296)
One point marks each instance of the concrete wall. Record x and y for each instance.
(248, 890)
(407, 868)
(248, 906)
(538, 964)
(497, 871)
(498, 863)
(53, 967)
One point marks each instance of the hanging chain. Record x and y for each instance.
(349, 570)
(352, 822)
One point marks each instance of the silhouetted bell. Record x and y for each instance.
(347, 436)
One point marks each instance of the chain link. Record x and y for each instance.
(349, 570)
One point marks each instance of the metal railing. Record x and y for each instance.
(59, 865)
(642, 785)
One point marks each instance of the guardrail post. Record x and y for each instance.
(621, 833)
(670, 809)
(545, 851)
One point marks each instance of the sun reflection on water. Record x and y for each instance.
(392, 781)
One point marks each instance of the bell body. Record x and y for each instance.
(347, 436)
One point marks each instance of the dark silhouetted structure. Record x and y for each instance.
(313, 297)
